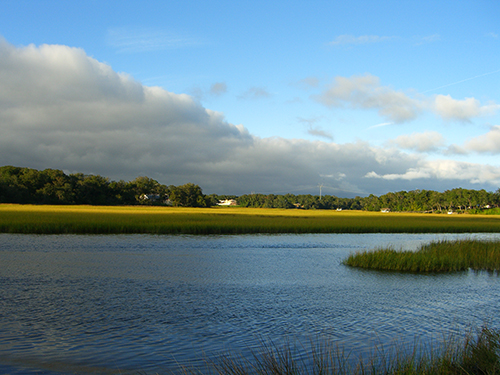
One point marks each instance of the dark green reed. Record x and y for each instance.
(474, 354)
(440, 256)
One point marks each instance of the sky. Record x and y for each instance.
(360, 97)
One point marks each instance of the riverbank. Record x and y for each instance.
(47, 219)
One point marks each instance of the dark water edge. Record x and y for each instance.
(143, 303)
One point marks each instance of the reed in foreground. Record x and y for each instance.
(475, 354)
(440, 256)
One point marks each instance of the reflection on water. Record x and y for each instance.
(148, 303)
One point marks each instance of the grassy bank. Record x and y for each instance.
(474, 354)
(227, 220)
(441, 256)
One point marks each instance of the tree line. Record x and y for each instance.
(410, 201)
(52, 186)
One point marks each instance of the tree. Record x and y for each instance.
(91, 189)
(188, 195)
(145, 186)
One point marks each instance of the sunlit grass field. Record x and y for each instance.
(228, 220)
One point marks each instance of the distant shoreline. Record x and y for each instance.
(75, 219)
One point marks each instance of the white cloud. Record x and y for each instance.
(455, 150)
(422, 142)
(336, 176)
(60, 108)
(446, 170)
(463, 110)
(410, 174)
(365, 92)
(486, 143)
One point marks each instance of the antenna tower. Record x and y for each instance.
(320, 186)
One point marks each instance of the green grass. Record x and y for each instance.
(228, 220)
(441, 256)
(475, 354)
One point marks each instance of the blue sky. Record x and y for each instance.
(256, 96)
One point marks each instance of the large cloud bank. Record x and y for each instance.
(60, 108)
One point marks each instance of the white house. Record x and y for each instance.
(150, 197)
(227, 202)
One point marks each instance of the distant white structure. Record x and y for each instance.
(385, 210)
(227, 202)
(150, 197)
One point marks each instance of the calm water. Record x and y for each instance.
(129, 303)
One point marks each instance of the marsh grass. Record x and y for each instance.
(475, 354)
(227, 220)
(440, 256)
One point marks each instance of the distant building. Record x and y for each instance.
(150, 197)
(227, 202)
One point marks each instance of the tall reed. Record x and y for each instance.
(440, 256)
(475, 354)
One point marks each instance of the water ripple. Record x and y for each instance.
(147, 303)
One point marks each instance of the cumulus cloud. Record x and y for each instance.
(422, 142)
(486, 143)
(367, 93)
(57, 105)
(60, 108)
(455, 150)
(446, 170)
(463, 110)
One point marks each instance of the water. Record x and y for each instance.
(130, 303)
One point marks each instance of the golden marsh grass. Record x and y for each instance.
(46, 219)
